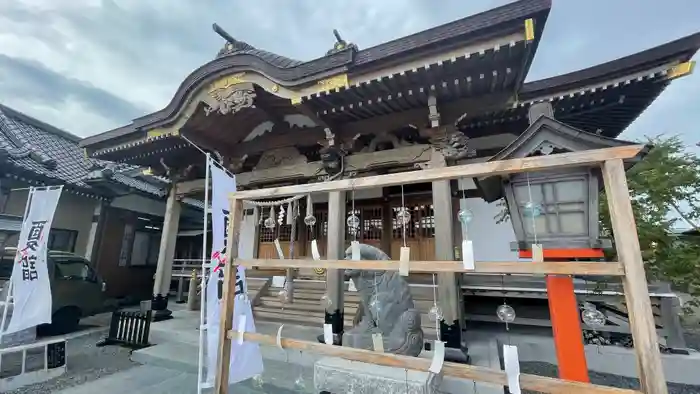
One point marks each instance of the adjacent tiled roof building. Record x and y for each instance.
(40, 154)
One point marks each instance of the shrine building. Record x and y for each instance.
(449, 95)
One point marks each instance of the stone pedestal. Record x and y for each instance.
(338, 376)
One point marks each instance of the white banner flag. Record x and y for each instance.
(31, 287)
(246, 359)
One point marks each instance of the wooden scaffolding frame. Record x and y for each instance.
(630, 268)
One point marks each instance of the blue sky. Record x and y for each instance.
(90, 65)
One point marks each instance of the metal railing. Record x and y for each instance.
(33, 367)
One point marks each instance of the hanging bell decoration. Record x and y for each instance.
(258, 381)
(326, 301)
(435, 313)
(532, 210)
(465, 216)
(403, 216)
(592, 317)
(505, 313)
(309, 218)
(300, 384)
(353, 221)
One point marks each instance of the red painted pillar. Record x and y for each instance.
(564, 314)
(566, 327)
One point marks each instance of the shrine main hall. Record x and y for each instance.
(449, 95)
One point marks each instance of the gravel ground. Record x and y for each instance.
(603, 379)
(86, 363)
(692, 337)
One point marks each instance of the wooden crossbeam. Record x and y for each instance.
(630, 267)
(481, 374)
(502, 167)
(481, 267)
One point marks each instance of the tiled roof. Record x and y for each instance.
(51, 154)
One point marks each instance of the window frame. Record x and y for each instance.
(72, 239)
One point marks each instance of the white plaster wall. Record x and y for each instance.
(137, 203)
(73, 213)
(491, 240)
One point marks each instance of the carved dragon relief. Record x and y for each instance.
(287, 156)
(452, 144)
(229, 100)
(333, 157)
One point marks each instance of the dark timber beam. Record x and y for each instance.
(292, 136)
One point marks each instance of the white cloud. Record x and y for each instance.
(129, 56)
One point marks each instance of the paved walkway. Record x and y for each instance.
(146, 379)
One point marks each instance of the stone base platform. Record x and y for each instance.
(338, 376)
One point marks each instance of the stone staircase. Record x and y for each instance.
(306, 309)
(257, 287)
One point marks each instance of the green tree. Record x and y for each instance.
(665, 189)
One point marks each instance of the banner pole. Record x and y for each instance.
(9, 286)
(203, 280)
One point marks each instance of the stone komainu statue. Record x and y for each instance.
(396, 319)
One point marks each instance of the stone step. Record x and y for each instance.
(300, 312)
(308, 319)
(303, 301)
(278, 305)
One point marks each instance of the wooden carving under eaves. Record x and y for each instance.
(385, 137)
(230, 99)
(354, 164)
(451, 143)
(280, 157)
(235, 165)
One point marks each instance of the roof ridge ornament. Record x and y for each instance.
(340, 44)
(232, 45)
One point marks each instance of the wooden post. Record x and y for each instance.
(334, 277)
(228, 299)
(649, 367)
(166, 254)
(447, 291)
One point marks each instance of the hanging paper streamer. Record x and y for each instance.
(438, 357)
(537, 253)
(314, 250)
(241, 328)
(269, 222)
(355, 248)
(512, 367)
(468, 254)
(290, 214)
(310, 220)
(404, 259)
(378, 342)
(328, 334)
(280, 253)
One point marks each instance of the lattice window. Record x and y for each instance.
(421, 225)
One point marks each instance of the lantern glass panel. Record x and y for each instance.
(563, 207)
